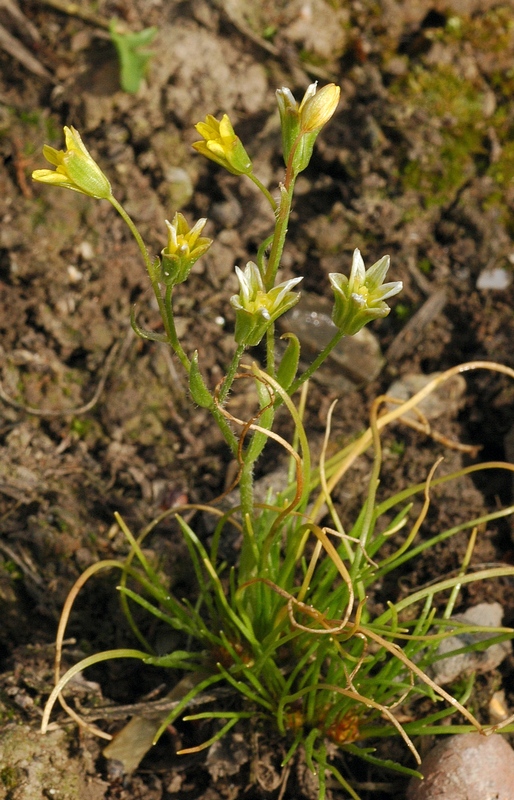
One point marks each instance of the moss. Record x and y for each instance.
(452, 135)
(489, 32)
(9, 777)
(454, 140)
(402, 311)
(80, 426)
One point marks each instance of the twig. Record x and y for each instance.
(22, 21)
(77, 10)
(413, 331)
(151, 708)
(18, 51)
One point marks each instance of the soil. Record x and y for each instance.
(418, 163)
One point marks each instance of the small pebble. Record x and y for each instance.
(468, 766)
(493, 279)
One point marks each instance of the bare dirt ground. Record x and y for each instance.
(418, 163)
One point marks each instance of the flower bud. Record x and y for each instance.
(197, 387)
(317, 108)
(288, 367)
(75, 169)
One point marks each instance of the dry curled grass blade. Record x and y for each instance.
(362, 444)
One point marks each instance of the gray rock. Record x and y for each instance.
(451, 667)
(493, 279)
(446, 399)
(34, 766)
(355, 361)
(469, 766)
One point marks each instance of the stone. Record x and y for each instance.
(468, 766)
(445, 400)
(452, 667)
(354, 361)
(493, 279)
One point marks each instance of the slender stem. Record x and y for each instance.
(166, 312)
(231, 372)
(171, 330)
(135, 233)
(270, 350)
(246, 491)
(226, 430)
(283, 212)
(318, 361)
(263, 189)
(165, 305)
(279, 236)
(249, 555)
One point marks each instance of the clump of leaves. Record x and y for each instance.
(132, 57)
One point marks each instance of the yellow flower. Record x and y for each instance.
(315, 109)
(222, 145)
(74, 168)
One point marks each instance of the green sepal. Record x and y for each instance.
(303, 152)
(288, 368)
(197, 387)
(290, 131)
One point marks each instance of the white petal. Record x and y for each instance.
(358, 271)
(172, 231)
(244, 285)
(387, 290)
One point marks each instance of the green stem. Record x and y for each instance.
(225, 429)
(171, 330)
(166, 313)
(283, 214)
(270, 350)
(318, 361)
(137, 236)
(279, 237)
(231, 373)
(247, 560)
(263, 189)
